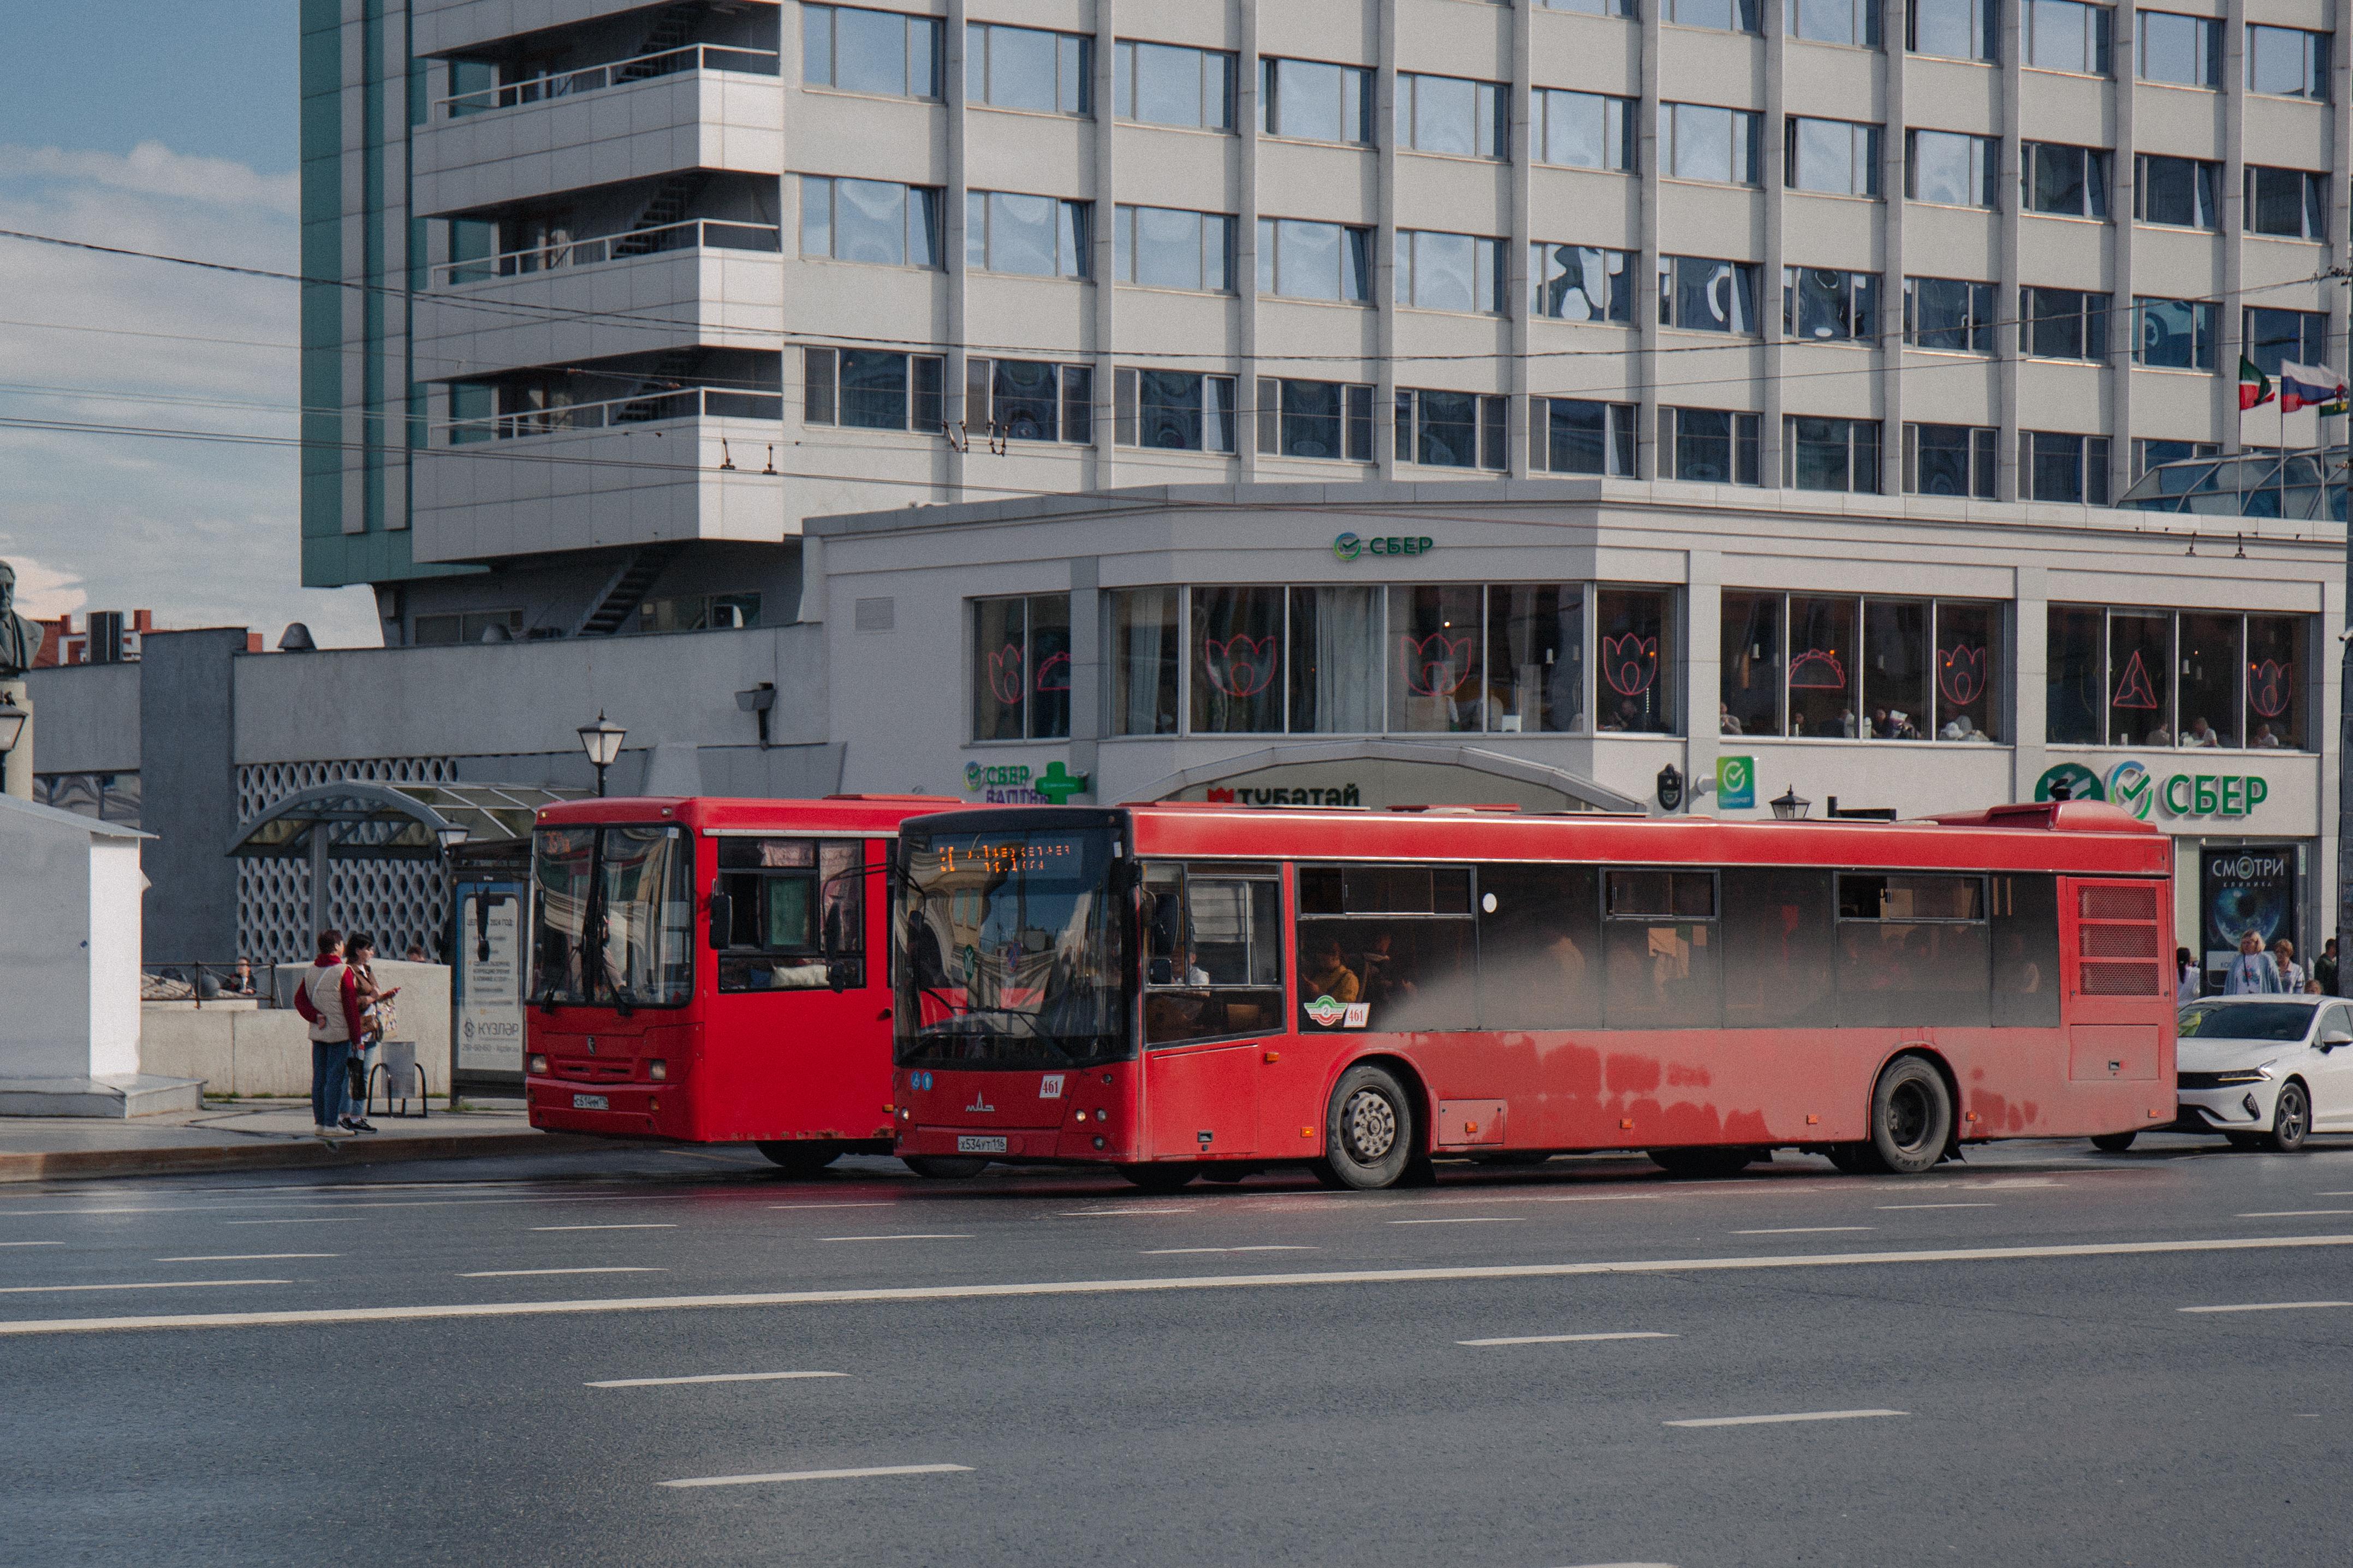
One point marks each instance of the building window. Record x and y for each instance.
(1033, 236)
(1452, 115)
(114, 798)
(1174, 410)
(2241, 679)
(1029, 68)
(1949, 313)
(1823, 306)
(1165, 248)
(884, 52)
(1029, 400)
(1302, 260)
(1953, 29)
(2275, 337)
(1949, 460)
(1927, 667)
(1449, 272)
(1580, 283)
(871, 221)
(1635, 659)
(2062, 323)
(1575, 435)
(1951, 168)
(2184, 50)
(2071, 182)
(1316, 102)
(1726, 15)
(1325, 419)
(1700, 142)
(1714, 446)
(1830, 454)
(466, 627)
(2287, 62)
(1702, 295)
(1145, 645)
(2179, 192)
(871, 389)
(1434, 632)
(699, 612)
(1021, 667)
(2292, 203)
(1835, 21)
(1584, 130)
(1162, 84)
(1592, 7)
(2174, 334)
(2069, 468)
(1452, 430)
(1836, 157)
(2065, 35)
(2148, 452)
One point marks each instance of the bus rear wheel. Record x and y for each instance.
(2114, 1142)
(945, 1167)
(1911, 1117)
(801, 1158)
(1371, 1139)
(1702, 1163)
(1163, 1178)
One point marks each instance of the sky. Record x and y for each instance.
(178, 135)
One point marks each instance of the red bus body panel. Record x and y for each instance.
(2106, 1067)
(742, 1067)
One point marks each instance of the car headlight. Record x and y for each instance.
(2244, 1075)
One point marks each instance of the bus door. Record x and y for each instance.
(1213, 1007)
(2114, 948)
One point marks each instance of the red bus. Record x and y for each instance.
(1180, 990)
(713, 970)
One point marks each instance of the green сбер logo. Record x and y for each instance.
(2082, 782)
(2131, 788)
(973, 778)
(1347, 547)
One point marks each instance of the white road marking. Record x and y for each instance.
(332, 1219)
(1183, 1251)
(31, 1243)
(707, 1377)
(906, 1236)
(1946, 1206)
(877, 1204)
(1464, 1220)
(247, 1257)
(2270, 1306)
(1084, 1213)
(146, 1285)
(1564, 1338)
(822, 1475)
(522, 1273)
(2292, 1214)
(1804, 1230)
(650, 1226)
(1771, 1420)
(1437, 1275)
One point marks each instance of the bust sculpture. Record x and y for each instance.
(20, 636)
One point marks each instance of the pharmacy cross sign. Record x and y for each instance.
(1058, 783)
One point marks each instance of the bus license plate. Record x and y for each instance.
(591, 1102)
(970, 1144)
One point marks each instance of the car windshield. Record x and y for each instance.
(613, 908)
(2247, 1021)
(1011, 953)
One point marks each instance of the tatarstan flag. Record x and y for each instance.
(2254, 387)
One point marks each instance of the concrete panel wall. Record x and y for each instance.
(113, 946)
(45, 926)
(87, 719)
(187, 782)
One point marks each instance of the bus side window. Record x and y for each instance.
(2025, 950)
(791, 902)
(1914, 950)
(1397, 954)
(1778, 947)
(1539, 947)
(1213, 964)
(1660, 950)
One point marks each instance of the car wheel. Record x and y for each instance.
(2291, 1119)
(800, 1159)
(1911, 1117)
(2114, 1142)
(1371, 1137)
(945, 1167)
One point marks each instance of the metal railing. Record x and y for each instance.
(619, 73)
(685, 402)
(694, 234)
(180, 980)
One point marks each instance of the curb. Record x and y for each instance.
(84, 1165)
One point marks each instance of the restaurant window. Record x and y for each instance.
(1021, 667)
(1660, 950)
(1914, 949)
(1750, 701)
(791, 904)
(1949, 460)
(1434, 638)
(1236, 660)
(1871, 668)
(1636, 655)
(1146, 639)
(2128, 676)
(1335, 661)
(1213, 952)
(1535, 658)
(1387, 948)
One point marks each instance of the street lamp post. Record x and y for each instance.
(12, 730)
(1791, 807)
(602, 741)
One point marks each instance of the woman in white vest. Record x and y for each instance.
(328, 998)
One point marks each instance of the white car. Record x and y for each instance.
(2265, 1071)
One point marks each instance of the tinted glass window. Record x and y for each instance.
(2025, 950)
(2247, 1021)
(1777, 947)
(1213, 960)
(1913, 950)
(1660, 951)
(1400, 956)
(791, 901)
(1539, 937)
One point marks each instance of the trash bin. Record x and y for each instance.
(401, 1076)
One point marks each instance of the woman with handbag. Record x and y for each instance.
(375, 1016)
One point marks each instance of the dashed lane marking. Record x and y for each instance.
(645, 1226)
(1464, 1220)
(247, 1256)
(1187, 1251)
(1564, 1338)
(904, 1235)
(820, 1475)
(1776, 1420)
(526, 1273)
(1891, 1207)
(2293, 1214)
(2271, 1307)
(1804, 1230)
(143, 1285)
(710, 1377)
(1088, 1214)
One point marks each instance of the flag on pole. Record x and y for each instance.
(2254, 387)
(2309, 387)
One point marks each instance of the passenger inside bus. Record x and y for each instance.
(1325, 973)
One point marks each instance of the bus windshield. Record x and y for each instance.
(1011, 950)
(613, 911)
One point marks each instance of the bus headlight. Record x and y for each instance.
(658, 1069)
(538, 1064)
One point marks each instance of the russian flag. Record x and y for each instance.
(2311, 386)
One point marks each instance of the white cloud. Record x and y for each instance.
(44, 592)
(152, 169)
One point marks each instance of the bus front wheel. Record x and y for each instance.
(801, 1159)
(1371, 1139)
(1911, 1117)
(945, 1167)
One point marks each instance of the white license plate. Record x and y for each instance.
(591, 1102)
(970, 1144)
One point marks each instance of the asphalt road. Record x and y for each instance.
(2008, 1361)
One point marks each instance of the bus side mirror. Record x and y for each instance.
(722, 916)
(1168, 923)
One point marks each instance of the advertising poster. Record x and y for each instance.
(2247, 888)
(489, 997)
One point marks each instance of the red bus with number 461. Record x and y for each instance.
(1181, 989)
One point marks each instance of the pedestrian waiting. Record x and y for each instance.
(2324, 968)
(373, 1016)
(328, 999)
(2252, 973)
(2291, 972)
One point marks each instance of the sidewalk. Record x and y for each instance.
(256, 1135)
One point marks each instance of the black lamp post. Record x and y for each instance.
(12, 725)
(1791, 807)
(602, 741)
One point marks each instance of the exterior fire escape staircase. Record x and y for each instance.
(625, 591)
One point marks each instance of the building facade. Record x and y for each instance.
(611, 298)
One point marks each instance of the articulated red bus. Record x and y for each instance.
(685, 960)
(1181, 989)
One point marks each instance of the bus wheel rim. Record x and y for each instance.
(1907, 1116)
(1370, 1125)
